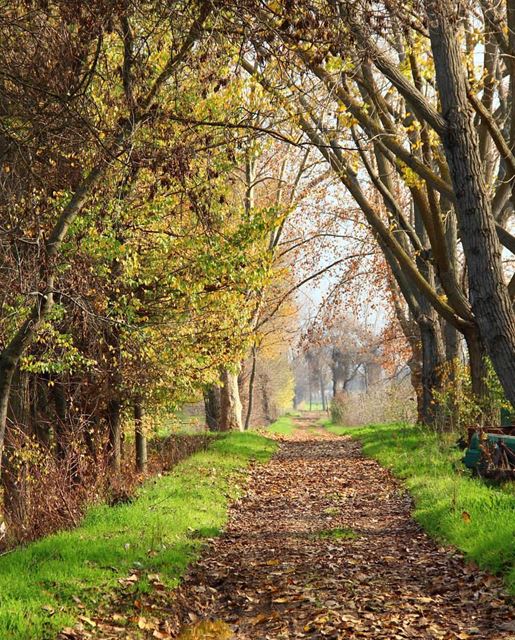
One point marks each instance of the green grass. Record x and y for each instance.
(283, 425)
(173, 422)
(340, 533)
(443, 490)
(161, 532)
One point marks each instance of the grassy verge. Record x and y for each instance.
(161, 531)
(450, 504)
(283, 425)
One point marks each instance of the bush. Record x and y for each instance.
(45, 493)
(458, 406)
(381, 403)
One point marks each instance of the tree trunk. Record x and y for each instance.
(212, 407)
(7, 369)
(61, 410)
(432, 361)
(488, 292)
(264, 398)
(230, 403)
(114, 402)
(432, 346)
(15, 481)
(114, 411)
(451, 337)
(478, 374)
(415, 367)
(140, 436)
(322, 393)
(252, 379)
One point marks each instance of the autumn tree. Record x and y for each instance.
(85, 47)
(331, 90)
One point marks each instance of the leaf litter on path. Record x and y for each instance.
(276, 574)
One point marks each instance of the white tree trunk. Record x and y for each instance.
(231, 410)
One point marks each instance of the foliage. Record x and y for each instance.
(43, 583)
(450, 504)
(458, 406)
(155, 277)
(337, 410)
(45, 494)
(145, 247)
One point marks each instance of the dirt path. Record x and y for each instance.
(323, 546)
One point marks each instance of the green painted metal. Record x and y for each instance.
(507, 417)
(471, 458)
(509, 441)
(473, 454)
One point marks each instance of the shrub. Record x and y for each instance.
(458, 407)
(45, 493)
(381, 403)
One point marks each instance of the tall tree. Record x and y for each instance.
(489, 294)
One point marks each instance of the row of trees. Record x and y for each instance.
(345, 359)
(135, 259)
(142, 215)
(421, 136)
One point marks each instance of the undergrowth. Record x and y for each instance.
(161, 531)
(49, 493)
(450, 504)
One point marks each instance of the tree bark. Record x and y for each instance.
(265, 401)
(114, 401)
(114, 411)
(212, 407)
(432, 345)
(415, 368)
(432, 361)
(322, 392)
(488, 292)
(252, 378)
(140, 436)
(335, 381)
(478, 372)
(230, 404)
